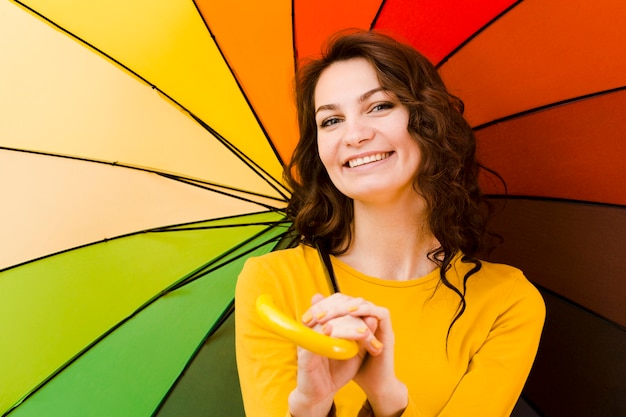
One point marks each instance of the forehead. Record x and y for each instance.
(344, 80)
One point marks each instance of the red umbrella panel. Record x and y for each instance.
(142, 146)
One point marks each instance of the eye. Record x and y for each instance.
(330, 121)
(381, 106)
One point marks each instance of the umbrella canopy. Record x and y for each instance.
(141, 151)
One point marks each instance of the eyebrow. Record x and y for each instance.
(362, 98)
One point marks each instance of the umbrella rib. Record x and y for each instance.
(548, 106)
(228, 311)
(101, 52)
(218, 219)
(256, 116)
(294, 47)
(469, 38)
(221, 139)
(161, 229)
(199, 273)
(216, 188)
(256, 168)
(228, 226)
(179, 178)
(580, 307)
(553, 199)
(378, 12)
(202, 271)
(275, 184)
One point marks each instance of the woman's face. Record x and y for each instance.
(362, 134)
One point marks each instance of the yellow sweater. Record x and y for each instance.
(489, 352)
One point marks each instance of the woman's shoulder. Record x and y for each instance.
(285, 274)
(508, 282)
(501, 271)
(285, 257)
(281, 265)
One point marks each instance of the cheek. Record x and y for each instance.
(413, 150)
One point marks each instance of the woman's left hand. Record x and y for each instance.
(387, 395)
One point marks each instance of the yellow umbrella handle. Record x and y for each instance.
(301, 335)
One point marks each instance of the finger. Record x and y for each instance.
(346, 327)
(344, 317)
(317, 298)
(374, 346)
(367, 309)
(316, 312)
(328, 308)
(379, 323)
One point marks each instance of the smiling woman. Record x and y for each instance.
(363, 137)
(385, 189)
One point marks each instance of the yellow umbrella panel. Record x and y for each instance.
(97, 163)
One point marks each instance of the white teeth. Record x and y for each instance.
(367, 159)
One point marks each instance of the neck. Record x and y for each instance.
(391, 242)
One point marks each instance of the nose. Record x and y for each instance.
(357, 131)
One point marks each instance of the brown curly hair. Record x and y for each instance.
(447, 178)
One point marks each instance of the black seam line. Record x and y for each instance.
(377, 15)
(213, 264)
(226, 313)
(554, 199)
(42, 17)
(160, 229)
(224, 190)
(182, 108)
(200, 226)
(221, 219)
(202, 271)
(472, 36)
(256, 116)
(294, 48)
(580, 307)
(285, 223)
(179, 178)
(532, 405)
(156, 230)
(267, 177)
(111, 330)
(549, 106)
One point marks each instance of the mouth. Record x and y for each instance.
(356, 162)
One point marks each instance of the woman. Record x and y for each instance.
(384, 178)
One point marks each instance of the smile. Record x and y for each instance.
(353, 163)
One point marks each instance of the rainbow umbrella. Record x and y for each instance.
(141, 152)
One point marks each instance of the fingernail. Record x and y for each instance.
(320, 315)
(361, 329)
(307, 317)
(324, 327)
(353, 308)
(376, 344)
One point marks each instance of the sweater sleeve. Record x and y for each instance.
(409, 411)
(497, 372)
(266, 363)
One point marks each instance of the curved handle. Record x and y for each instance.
(301, 335)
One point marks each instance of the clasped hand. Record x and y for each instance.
(319, 378)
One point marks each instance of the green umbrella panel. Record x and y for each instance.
(108, 328)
